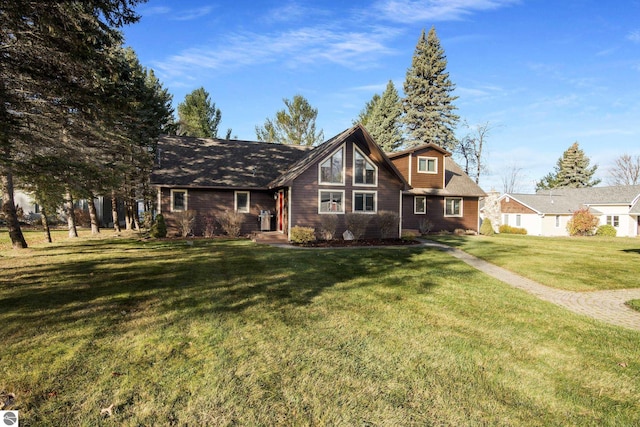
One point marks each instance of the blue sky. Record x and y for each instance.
(544, 74)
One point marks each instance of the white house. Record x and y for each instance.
(547, 212)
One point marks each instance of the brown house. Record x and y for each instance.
(441, 195)
(279, 186)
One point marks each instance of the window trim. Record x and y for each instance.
(612, 220)
(330, 190)
(446, 199)
(235, 202)
(186, 200)
(375, 201)
(344, 165)
(427, 171)
(366, 159)
(415, 205)
(557, 221)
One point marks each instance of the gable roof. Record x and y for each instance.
(359, 133)
(419, 148)
(213, 163)
(568, 200)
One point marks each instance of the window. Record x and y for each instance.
(557, 221)
(420, 205)
(427, 165)
(505, 219)
(331, 202)
(364, 201)
(178, 200)
(242, 201)
(364, 172)
(453, 206)
(613, 220)
(332, 169)
(518, 220)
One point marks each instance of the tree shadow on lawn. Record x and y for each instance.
(189, 281)
(632, 251)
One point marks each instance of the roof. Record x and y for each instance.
(568, 200)
(457, 183)
(419, 148)
(213, 163)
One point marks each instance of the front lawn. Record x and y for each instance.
(232, 333)
(571, 263)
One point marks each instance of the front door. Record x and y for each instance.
(280, 211)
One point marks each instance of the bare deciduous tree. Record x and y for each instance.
(511, 179)
(625, 171)
(471, 147)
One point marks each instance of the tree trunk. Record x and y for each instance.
(71, 218)
(10, 214)
(95, 226)
(45, 225)
(114, 211)
(128, 217)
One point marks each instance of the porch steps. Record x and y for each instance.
(269, 237)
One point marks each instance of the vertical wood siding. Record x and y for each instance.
(435, 214)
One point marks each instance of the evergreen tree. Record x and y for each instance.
(296, 125)
(428, 104)
(571, 171)
(384, 122)
(366, 112)
(198, 116)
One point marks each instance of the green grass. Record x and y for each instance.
(635, 304)
(571, 263)
(231, 333)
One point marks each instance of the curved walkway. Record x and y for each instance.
(607, 306)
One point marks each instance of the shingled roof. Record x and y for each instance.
(212, 163)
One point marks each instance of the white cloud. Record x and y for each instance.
(634, 36)
(190, 14)
(409, 11)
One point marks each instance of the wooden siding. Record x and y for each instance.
(435, 214)
(421, 179)
(513, 206)
(402, 164)
(304, 194)
(205, 202)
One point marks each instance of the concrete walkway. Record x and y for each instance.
(607, 306)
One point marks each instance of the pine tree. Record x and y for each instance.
(428, 104)
(296, 125)
(365, 114)
(384, 122)
(571, 171)
(198, 116)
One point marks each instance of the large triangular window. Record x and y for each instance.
(332, 169)
(364, 171)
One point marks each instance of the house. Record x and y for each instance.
(547, 212)
(295, 185)
(442, 196)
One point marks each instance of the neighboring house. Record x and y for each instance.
(296, 185)
(442, 196)
(547, 212)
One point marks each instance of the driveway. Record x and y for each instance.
(607, 306)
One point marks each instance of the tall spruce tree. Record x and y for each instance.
(198, 115)
(428, 104)
(384, 123)
(296, 125)
(571, 171)
(365, 114)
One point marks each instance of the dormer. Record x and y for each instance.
(422, 166)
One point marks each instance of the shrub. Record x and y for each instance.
(209, 225)
(425, 226)
(408, 235)
(459, 232)
(607, 230)
(328, 225)
(486, 228)
(159, 227)
(302, 235)
(231, 222)
(185, 221)
(388, 223)
(357, 224)
(81, 217)
(507, 229)
(582, 223)
(147, 219)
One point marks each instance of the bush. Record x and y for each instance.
(328, 225)
(231, 222)
(81, 217)
(607, 231)
(357, 224)
(302, 235)
(425, 226)
(185, 221)
(582, 223)
(507, 229)
(159, 227)
(209, 225)
(408, 235)
(388, 223)
(486, 228)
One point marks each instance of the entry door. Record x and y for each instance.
(280, 210)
